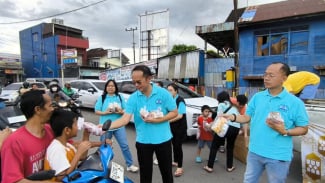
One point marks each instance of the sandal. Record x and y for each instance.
(174, 164)
(231, 169)
(179, 172)
(209, 170)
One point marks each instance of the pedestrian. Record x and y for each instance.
(275, 116)
(303, 84)
(152, 108)
(23, 152)
(224, 106)
(111, 105)
(205, 135)
(178, 126)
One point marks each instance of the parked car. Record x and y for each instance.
(89, 90)
(11, 92)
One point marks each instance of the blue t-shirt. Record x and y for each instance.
(159, 99)
(223, 106)
(265, 141)
(99, 106)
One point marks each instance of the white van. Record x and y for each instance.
(91, 90)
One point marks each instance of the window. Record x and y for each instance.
(45, 57)
(276, 41)
(35, 36)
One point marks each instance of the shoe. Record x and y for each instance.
(222, 149)
(132, 169)
(209, 170)
(198, 159)
(179, 172)
(215, 160)
(155, 162)
(231, 169)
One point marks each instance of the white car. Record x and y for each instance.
(91, 90)
(11, 92)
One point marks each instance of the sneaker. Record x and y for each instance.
(198, 159)
(155, 162)
(132, 169)
(215, 160)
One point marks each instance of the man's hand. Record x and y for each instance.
(276, 125)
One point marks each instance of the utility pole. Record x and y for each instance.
(236, 89)
(133, 43)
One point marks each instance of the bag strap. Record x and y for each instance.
(227, 109)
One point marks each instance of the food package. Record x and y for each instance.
(220, 126)
(275, 117)
(93, 129)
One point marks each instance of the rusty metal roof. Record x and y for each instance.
(289, 8)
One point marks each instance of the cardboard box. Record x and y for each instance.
(241, 149)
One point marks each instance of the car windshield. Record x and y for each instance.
(100, 85)
(13, 86)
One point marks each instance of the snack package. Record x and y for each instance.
(275, 117)
(93, 129)
(220, 126)
(114, 107)
(154, 114)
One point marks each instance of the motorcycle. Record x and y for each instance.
(12, 117)
(98, 166)
(95, 168)
(72, 105)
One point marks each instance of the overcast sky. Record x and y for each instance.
(104, 24)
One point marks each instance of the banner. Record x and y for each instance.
(313, 154)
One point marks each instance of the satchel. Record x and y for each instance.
(220, 124)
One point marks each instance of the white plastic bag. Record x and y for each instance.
(220, 126)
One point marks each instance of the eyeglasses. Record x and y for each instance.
(266, 75)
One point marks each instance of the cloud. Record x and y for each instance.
(104, 24)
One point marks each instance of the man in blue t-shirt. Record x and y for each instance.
(152, 108)
(275, 116)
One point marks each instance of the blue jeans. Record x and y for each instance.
(276, 170)
(121, 138)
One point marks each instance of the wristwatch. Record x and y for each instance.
(286, 133)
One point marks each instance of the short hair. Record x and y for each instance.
(284, 68)
(223, 96)
(145, 70)
(205, 107)
(173, 85)
(31, 99)
(61, 119)
(242, 99)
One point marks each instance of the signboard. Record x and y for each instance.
(313, 154)
(69, 53)
(70, 60)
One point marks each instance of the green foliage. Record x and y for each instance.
(181, 48)
(213, 54)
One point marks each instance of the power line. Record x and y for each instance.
(63, 13)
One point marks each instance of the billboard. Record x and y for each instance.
(154, 34)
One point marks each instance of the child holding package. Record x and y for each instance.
(205, 135)
(61, 155)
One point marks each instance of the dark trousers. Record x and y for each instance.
(164, 156)
(179, 134)
(217, 141)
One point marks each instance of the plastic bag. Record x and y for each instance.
(220, 126)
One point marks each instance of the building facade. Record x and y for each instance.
(42, 45)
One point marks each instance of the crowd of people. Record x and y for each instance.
(160, 124)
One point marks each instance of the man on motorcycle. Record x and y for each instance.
(67, 89)
(54, 88)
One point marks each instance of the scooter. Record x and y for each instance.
(98, 166)
(12, 117)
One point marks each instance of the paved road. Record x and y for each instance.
(193, 172)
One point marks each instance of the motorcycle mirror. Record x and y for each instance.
(107, 125)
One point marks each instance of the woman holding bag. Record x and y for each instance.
(225, 106)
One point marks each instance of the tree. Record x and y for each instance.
(181, 48)
(213, 54)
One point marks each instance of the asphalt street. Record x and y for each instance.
(193, 172)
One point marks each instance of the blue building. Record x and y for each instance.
(41, 47)
(291, 31)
